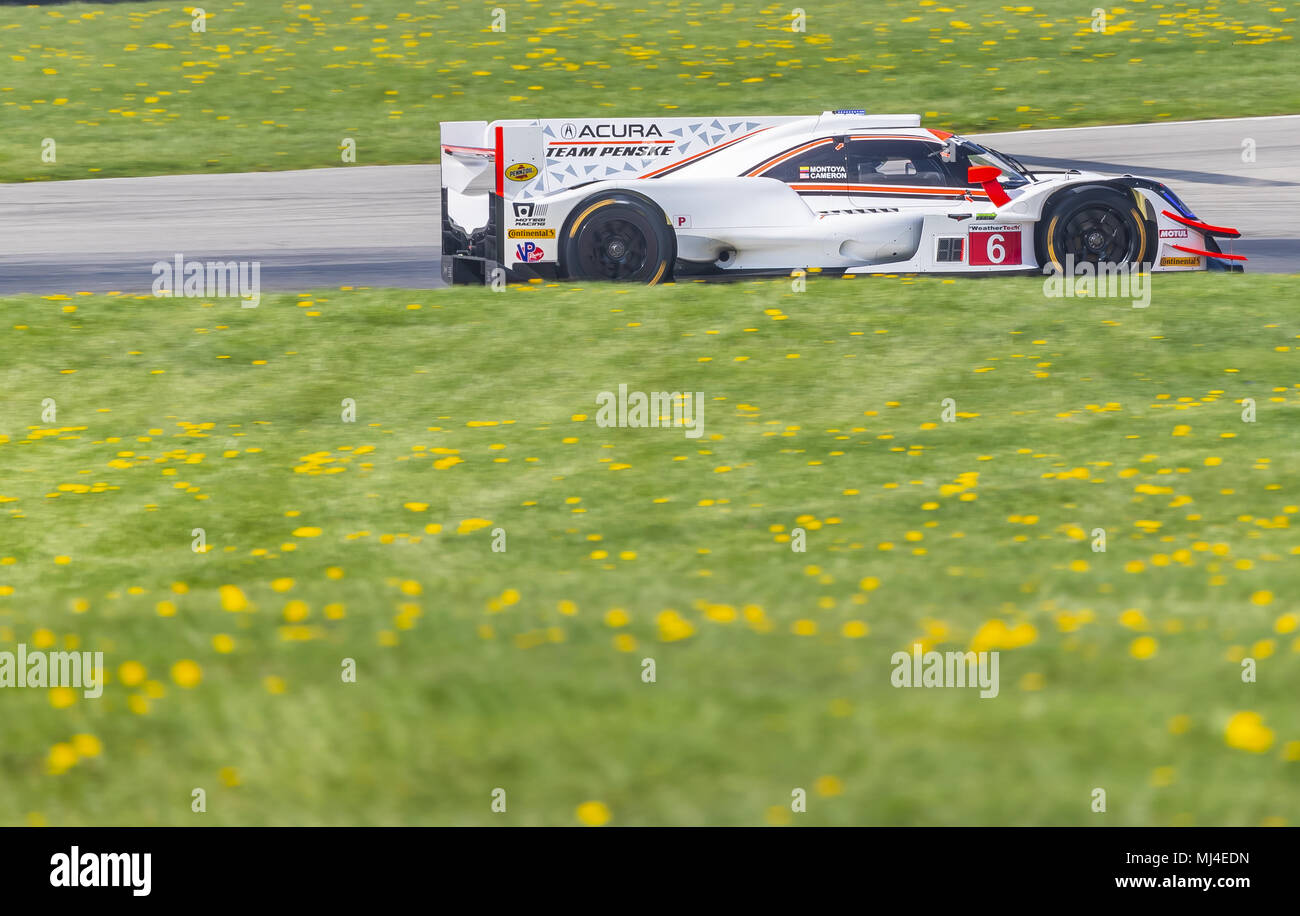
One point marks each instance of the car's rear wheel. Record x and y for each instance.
(621, 237)
(1097, 225)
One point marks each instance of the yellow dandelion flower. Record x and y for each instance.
(673, 627)
(62, 757)
(1246, 731)
(828, 786)
(625, 642)
(187, 673)
(593, 813)
(232, 598)
(1143, 647)
(87, 745)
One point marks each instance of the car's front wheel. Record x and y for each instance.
(1097, 225)
(621, 237)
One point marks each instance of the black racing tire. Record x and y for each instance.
(1095, 224)
(621, 236)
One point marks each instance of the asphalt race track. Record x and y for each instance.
(377, 225)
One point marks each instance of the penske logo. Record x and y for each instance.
(521, 171)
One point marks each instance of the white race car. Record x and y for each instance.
(649, 200)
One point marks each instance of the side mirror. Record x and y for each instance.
(978, 174)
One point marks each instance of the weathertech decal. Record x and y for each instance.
(994, 246)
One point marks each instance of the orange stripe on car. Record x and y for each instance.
(706, 152)
(782, 157)
(890, 189)
(890, 137)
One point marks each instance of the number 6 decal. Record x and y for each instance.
(996, 249)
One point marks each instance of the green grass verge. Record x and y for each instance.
(130, 89)
(521, 669)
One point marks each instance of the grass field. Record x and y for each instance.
(521, 670)
(130, 89)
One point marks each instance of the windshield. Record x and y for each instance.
(974, 154)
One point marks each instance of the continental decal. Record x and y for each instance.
(531, 233)
(1180, 262)
(522, 171)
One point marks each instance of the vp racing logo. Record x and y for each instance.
(528, 252)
